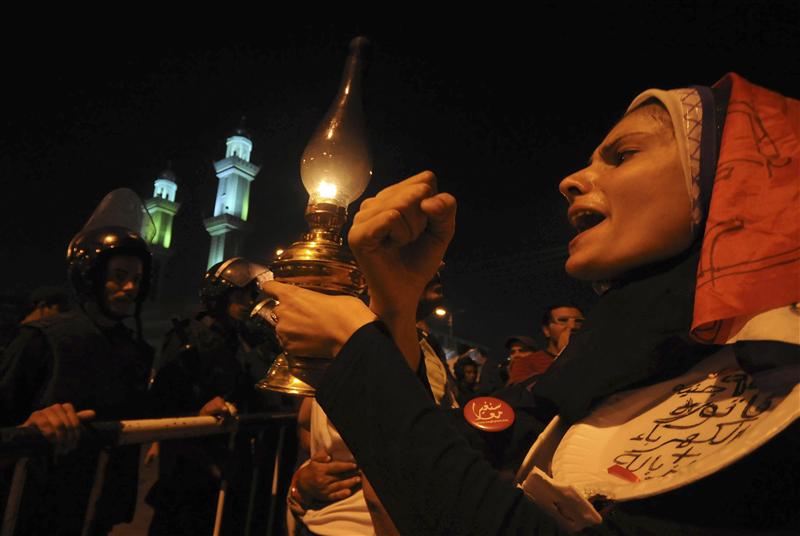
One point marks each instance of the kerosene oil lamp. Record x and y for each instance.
(335, 167)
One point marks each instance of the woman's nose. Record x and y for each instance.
(574, 185)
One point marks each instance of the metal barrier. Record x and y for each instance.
(22, 443)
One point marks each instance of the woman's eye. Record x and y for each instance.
(622, 156)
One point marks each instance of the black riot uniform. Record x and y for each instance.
(66, 358)
(69, 358)
(210, 355)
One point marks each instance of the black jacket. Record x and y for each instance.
(66, 358)
(432, 482)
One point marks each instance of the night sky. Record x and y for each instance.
(500, 106)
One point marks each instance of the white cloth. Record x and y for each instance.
(350, 516)
(437, 375)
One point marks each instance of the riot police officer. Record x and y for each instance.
(217, 356)
(83, 364)
(204, 357)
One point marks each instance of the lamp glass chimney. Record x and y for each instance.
(336, 165)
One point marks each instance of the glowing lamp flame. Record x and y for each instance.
(326, 190)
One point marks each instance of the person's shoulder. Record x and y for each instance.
(179, 335)
(209, 333)
(188, 335)
(60, 319)
(27, 338)
(182, 327)
(29, 348)
(38, 331)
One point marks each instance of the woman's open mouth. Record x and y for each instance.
(584, 219)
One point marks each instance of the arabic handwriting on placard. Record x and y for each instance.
(684, 390)
(720, 434)
(754, 408)
(703, 412)
(712, 412)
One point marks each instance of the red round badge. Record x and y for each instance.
(489, 414)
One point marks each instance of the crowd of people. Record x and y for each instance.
(688, 229)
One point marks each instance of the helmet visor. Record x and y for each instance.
(122, 208)
(241, 272)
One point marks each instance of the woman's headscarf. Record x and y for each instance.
(740, 153)
(750, 261)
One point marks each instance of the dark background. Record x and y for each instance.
(500, 105)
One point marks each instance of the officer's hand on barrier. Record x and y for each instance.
(218, 407)
(60, 424)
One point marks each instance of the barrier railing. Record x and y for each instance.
(22, 443)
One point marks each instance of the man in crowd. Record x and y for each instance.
(558, 322)
(46, 301)
(490, 371)
(524, 359)
(435, 370)
(466, 371)
(526, 362)
(43, 302)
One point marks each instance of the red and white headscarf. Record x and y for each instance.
(750, 261)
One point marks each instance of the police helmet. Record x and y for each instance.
(224, 277)
(89, 251)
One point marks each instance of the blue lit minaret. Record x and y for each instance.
(162, 208)
(235, 173)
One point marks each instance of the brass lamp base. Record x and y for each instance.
(320, 262)
(281, 378)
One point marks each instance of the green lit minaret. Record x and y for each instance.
(162, 208)
(235, 173)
